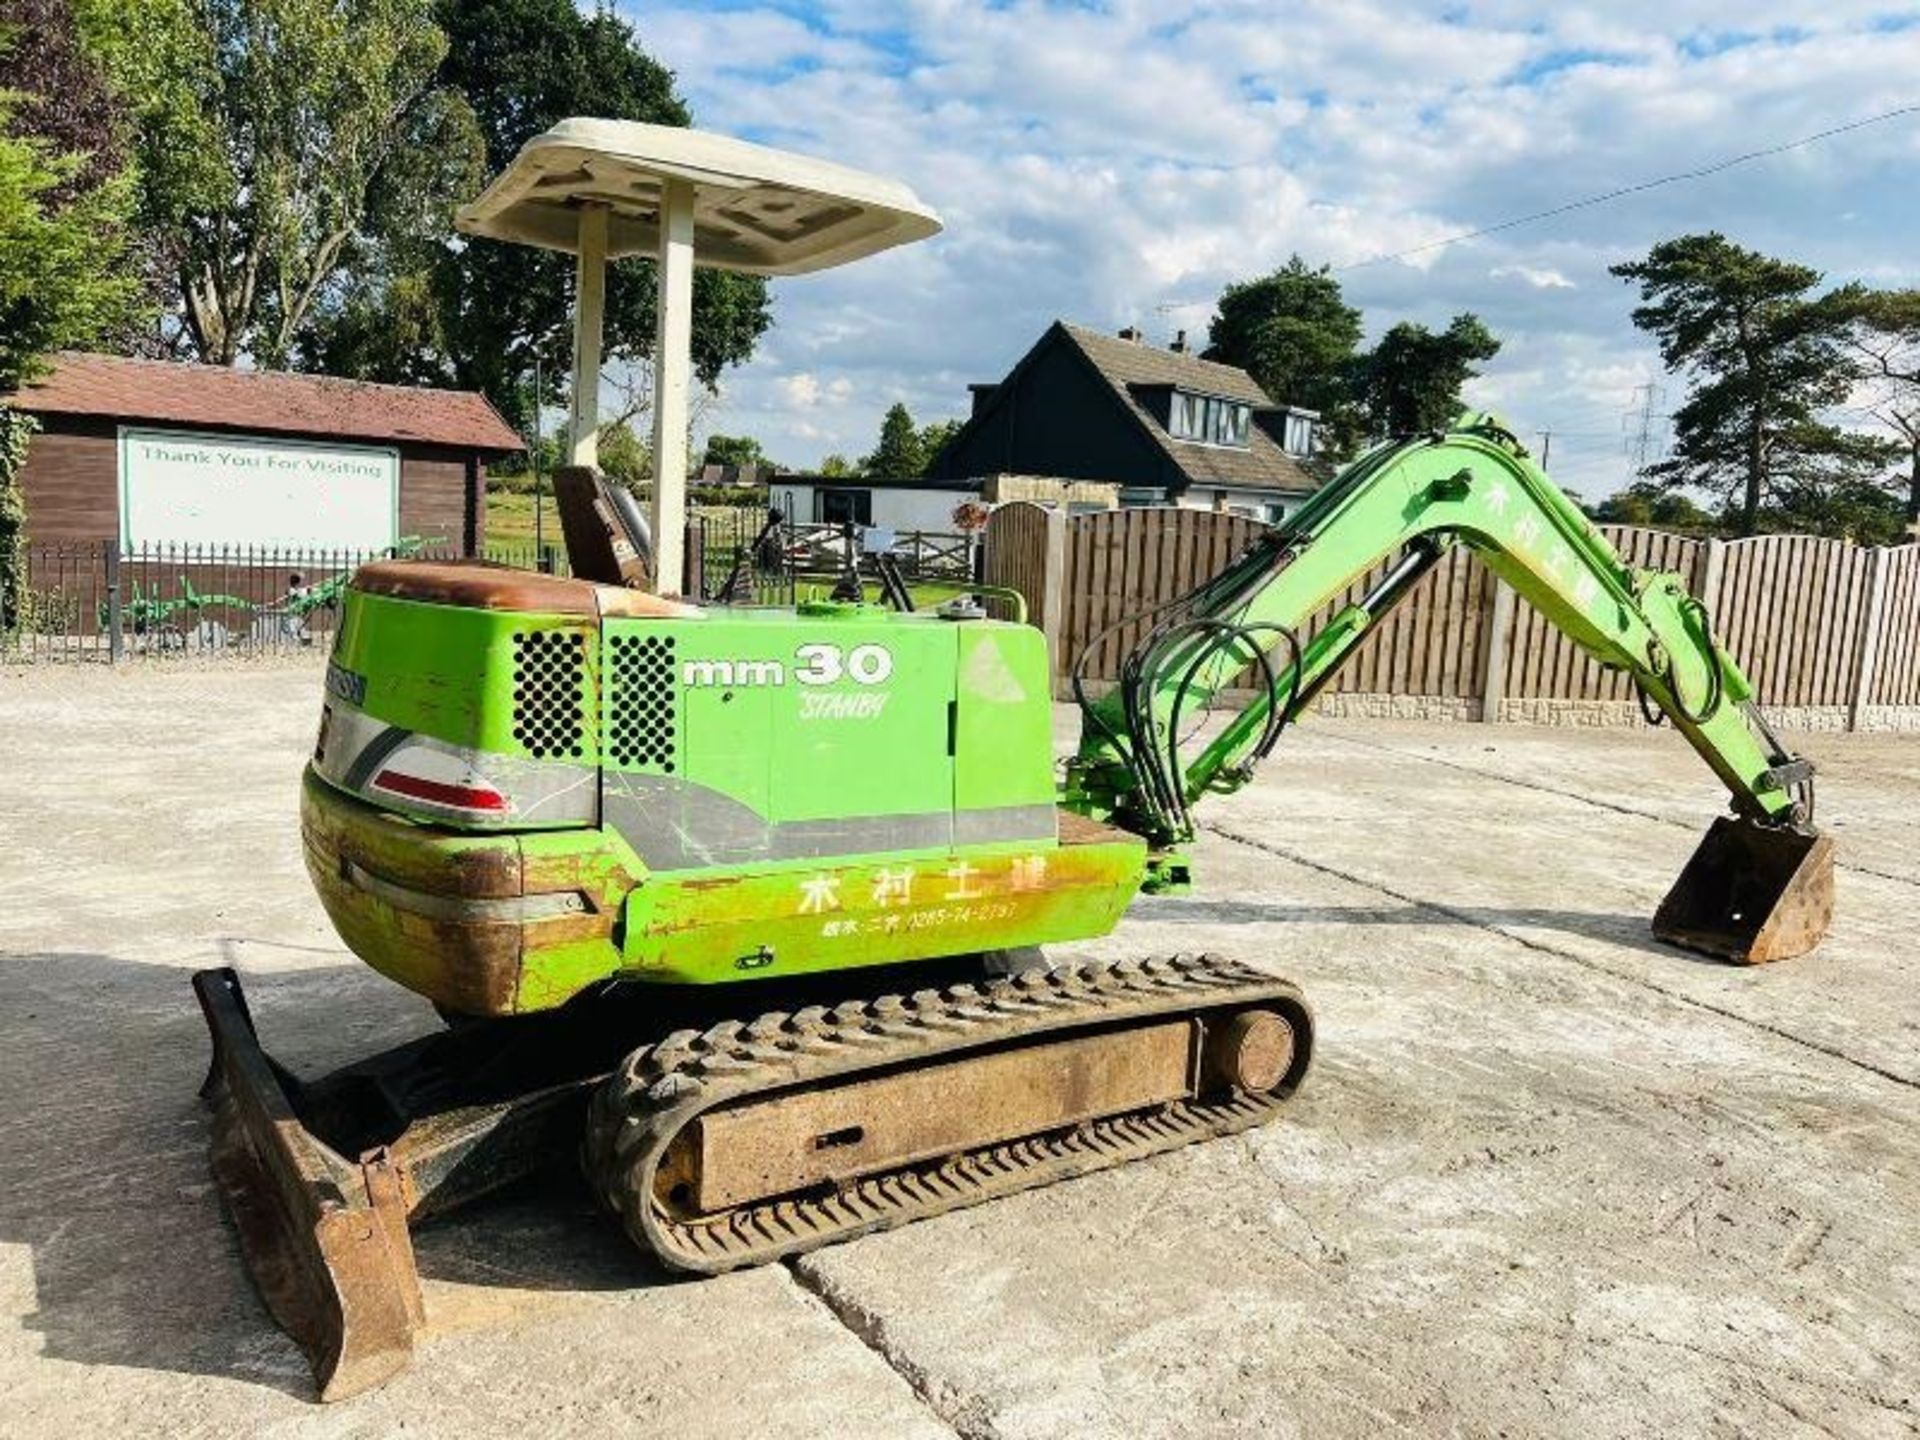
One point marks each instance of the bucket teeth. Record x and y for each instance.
(1751, 893)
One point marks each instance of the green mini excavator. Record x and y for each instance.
(744, 907)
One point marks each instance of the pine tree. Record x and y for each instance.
(1765, 355)
(898, 456)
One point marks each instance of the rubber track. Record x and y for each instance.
(662, 1088)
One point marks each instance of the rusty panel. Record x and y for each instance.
(806, 1139)
(1751, 893)
(325, 1239)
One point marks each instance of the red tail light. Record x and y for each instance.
(440, 792)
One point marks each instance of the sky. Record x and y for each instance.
(1119, 163)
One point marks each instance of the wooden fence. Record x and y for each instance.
(1829, 632)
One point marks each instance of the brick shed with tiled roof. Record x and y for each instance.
(87, 405)
(1166, 425)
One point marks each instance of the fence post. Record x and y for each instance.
(693, 550)
(116, 636)
(1052, 597)
(1493, 651)
(1867, 653)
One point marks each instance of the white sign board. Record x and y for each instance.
(178, 488)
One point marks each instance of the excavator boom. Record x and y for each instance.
(1760, 887)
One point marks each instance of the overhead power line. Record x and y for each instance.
(1624, 190)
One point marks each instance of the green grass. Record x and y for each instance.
(510, 518)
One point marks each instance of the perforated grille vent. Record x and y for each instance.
(640, 723)
(548, 667)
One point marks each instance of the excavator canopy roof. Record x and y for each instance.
(767, 212)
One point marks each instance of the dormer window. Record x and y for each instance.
(1299, 434)
(1208, 419)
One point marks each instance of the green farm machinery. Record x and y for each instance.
(745, 907)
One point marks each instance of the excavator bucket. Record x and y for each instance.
(324, 1238)
(1751, 893)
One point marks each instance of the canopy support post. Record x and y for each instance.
(590, 304)
(671, 378)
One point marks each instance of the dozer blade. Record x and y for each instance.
(1751, 893)
(324, 1238)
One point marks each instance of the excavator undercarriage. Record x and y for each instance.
(733, 1145)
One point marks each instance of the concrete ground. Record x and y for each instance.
(1548, 1178)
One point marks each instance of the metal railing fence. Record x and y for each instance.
(92, 600)
(752, 555)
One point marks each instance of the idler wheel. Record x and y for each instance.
(1252, 1052)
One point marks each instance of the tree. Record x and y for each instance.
(1411, 382)
(525, 65)
(624, 457)
(1849, 508)
(735, 450)
(65, 199)
(835, 465)
(898, 455)
(1764, 356)
(935, 436)
(275, 136)
(1883, 332)
(1293, 332)
(388, 329)
(1649, 504)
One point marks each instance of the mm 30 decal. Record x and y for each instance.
(813, 664)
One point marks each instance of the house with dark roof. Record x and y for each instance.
(1164, 425)
(151, 452)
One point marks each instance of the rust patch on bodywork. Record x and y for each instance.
(455, 916)
(797, 918)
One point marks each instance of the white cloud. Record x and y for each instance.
(1541, 277)
(1118, 163)
(804, 391)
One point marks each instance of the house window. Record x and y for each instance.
(1299, 435)
(1184, 422)
(1229, 423)
(1208, 419)
(843, 507)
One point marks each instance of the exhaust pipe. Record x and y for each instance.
(1752, 893)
